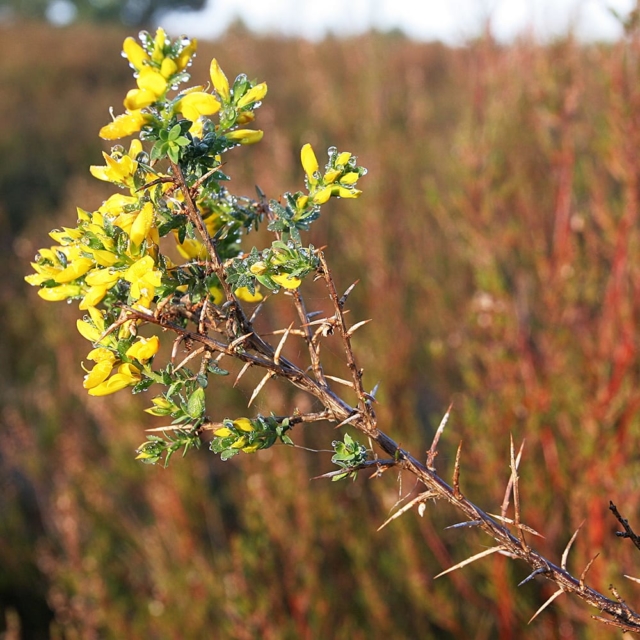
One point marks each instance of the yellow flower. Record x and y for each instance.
(350, 178)
(183, 60)
(244, 424)
(55, 294)
(125, 125)
(168, 67)
(243, 293)
(104, 360)
(66, 236)
(217, 294)
(144, 349)
(239, 443)
(245, 136)
(223, 432)
(92, 297)
(309, 163)
(287, 281)
(93, 330)
(127, 376)
(118, 170)
(258, 268)
(255, 94)
(158, 45)
(219, 80)
(323, 195)
(152, 85)
(331, 176)
(161, 406)
(74, 270)
(343, 192)
(143, 278)
(343, 158)
(115, 203)
(136, 55)
(196, 104)
(142, 226)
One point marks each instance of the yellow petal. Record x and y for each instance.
(245, 136)
(343, 158)
(97, 375)
(168, 68)
(93, 297)
(136, 55)
(152, 81)
(244, 424)
(159, 42)
(138, 99)
(243, 293)
(323, 195)
(144, 349)
(331, 176)
(124, 125)
(343, 192)
(100, 354)
(219, 80)
(196, 104)
(55, 294)
(102, 277)
(309, 162)
(88, 331)
(350, 178)
(186, 54)
(76, 269)
(223, 432)
(142, 225)
(287, 281)
(255, 94)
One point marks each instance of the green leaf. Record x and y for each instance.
(196, 404)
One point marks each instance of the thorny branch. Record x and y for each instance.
(253, 350)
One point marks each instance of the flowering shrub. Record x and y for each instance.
(165, 249)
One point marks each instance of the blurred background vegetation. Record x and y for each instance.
(496, 242)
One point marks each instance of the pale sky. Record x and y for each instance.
(452, 21)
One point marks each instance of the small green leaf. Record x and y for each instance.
(196, 404)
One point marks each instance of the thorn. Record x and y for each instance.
(240, 340)
(351, 418)
(619, 598)
(192, 355)
(432, 453)
(258, 309)
(374, 391)
(565, 554)
(559, 592)
(174, 349)
(418, 499)
(461, 525)
(531, 576)
(244, 369)
(464, 563)
(276, 355)
(519, 525)
(261, 384)
(456, 473)
(345, 295)
(505, 502)
(346, 383)
(357, 326)
(586, 570)
(631, 578)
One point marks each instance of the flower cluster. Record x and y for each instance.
(152, 245)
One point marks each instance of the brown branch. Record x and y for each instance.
(628, 531)
(257, 352)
